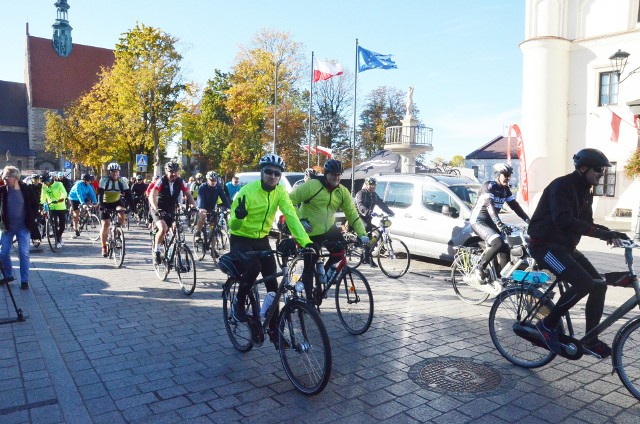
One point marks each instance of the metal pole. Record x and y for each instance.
(353, 143)
(275, 108)
(318, 143)
(310, 112)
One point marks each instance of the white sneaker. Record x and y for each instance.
(59, 245)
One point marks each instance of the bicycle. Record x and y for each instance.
(212, 237)
(175, 253)
(87, 222)
(115, 241)
(513, 332)
(141, 210)
(392, 254)
(353, 296)
(50, 228)
(466, 285)
(302, 339)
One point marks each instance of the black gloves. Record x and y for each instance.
(241, 210)
(505, 229)
(610, 235)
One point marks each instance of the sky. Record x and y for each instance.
(461, 56)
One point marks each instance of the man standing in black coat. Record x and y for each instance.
(19, 209)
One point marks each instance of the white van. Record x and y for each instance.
(431, 211)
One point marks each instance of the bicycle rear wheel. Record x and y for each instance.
(625, 357)
(510, 307)
(118, 247)
(393, 257)
(186, 269)
(91, 227)
(51, 230)
(239, 332)
(463, 267)
(354, 301)
(305, 350)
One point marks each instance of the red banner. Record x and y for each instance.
(523, 183)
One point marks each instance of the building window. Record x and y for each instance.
(607, 184)
(608, 89)
(19, 163)
(475, 170)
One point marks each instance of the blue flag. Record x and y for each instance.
(371, 60)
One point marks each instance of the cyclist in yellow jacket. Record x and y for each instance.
(54, 194)
(319, 199)
(252, 214)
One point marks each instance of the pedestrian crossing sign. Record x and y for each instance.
(141, 160)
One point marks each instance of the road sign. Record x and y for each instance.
(141, 160)
(67, 164)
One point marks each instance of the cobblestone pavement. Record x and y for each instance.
(108, 345)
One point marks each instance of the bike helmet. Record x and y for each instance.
(86, 177)
(590, 158)
(113, 166)
(139, 178)
(272, 159)
(332, 165)
(171, 166)
(46, 177)
(212, 175)
(370, 181)
(503, 168)
(35, 177)
(60, 174)
(310, 173)
(198, 176)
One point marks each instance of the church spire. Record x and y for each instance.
(62, 30)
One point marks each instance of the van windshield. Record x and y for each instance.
(466, 193)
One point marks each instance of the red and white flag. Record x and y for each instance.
(523, 184)
(323, 70)
(325, 151)
(615, 127)
(306, 148)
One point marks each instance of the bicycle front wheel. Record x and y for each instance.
(52, 229)
(92, 227)
(118, 247)
(393, 257)
(354, 301)
(463, 267)
(239, 332)
(304, 347)
(625, 358)
(186, 269)
(512, 306)
(162, 268)
(198, 245)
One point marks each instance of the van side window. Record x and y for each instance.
(399, 195)
(439, 201)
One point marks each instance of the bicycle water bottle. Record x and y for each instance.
(374, 239)
(320, 271)
(266, 304)
(332, 271)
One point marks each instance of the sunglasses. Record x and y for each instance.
(273, 172)
(598, 169)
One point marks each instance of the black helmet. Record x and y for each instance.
(86, 177)
(46, 177)
(171, 166)
(590, 158)
(333, 165)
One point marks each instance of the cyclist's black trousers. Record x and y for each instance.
(61, 221)
(253, 266)
(334, 234)
(574, 268)
(494, 246)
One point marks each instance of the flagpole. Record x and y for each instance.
(353, 143)
(310, 109)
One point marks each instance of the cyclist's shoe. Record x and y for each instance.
(77, 234)
(238, 311)
(158, 257)
(372, 263)
(24, 285)
(198, 236)
(481, 275)
(104, 252)
(550, 337)
(59, 245)
(318, 296)
(273, 336)
(597, 348)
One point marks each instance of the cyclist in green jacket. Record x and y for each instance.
(319, 199)
(54, 193)
(252, 215)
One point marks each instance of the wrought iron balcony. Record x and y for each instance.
(414, 135)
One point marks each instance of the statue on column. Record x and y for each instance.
(8, 155)
(409, 103)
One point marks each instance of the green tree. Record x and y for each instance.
(457, 161)
(384, 107)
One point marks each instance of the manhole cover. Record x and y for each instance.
(455, 375)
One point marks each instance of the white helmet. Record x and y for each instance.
(503, 168)
(272, 159)
(113, 166)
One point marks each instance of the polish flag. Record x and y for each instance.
(323, 70)
(306, 148)
(325, 151)
(615, 127)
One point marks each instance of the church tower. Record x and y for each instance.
(62, 30)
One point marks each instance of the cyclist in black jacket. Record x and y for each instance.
(485, 219)
(562, 217)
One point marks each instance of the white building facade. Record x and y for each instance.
(570, 93)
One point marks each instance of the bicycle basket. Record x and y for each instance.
(230, 265)
(385, 223)
(619, 279)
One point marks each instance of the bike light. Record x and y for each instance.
(299, 286)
